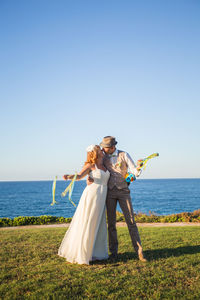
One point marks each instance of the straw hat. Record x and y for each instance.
(108, 141)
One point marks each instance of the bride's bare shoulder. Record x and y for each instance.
(92, 166)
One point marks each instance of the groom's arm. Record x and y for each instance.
(132, 166)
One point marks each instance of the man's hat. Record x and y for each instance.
(108, 141)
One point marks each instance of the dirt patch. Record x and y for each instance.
(119, 224)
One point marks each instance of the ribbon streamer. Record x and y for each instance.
(69, 190)
(54, 191)
(145, 160)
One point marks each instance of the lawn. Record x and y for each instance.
(31, 269)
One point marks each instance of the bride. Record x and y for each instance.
(86, 238)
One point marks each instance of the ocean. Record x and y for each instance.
(159, 196)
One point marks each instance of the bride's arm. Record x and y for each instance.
(85, 171)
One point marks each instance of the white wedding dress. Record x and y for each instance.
(86, 238)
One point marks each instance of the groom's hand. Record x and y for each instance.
(89, 180)
(139, 164)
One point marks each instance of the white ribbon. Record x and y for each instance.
(90, 148)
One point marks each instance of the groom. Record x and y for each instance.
(118, 163)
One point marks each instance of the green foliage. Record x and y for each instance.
(6, 222)
(152, 218)
(139, 218)
(41, 220)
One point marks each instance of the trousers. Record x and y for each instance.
(124, 199)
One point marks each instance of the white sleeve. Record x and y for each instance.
(131, 165)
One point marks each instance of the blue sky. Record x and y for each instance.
(72, 72)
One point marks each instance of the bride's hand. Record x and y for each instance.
(89, 180)
(66, 177)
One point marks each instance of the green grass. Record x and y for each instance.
(31, 268)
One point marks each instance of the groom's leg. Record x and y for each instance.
(111, 203)
(126, 207)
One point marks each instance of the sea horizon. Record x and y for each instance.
(38, 180)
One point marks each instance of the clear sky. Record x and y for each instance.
(72, 72)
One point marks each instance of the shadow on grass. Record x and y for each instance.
(171, 252)
(151, 255)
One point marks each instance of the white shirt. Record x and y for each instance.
(130, 163)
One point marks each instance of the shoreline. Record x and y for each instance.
(119, 224)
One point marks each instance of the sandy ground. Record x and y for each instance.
(119, 224)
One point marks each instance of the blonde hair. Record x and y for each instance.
(92, 156)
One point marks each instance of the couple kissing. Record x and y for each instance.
(86, 237)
